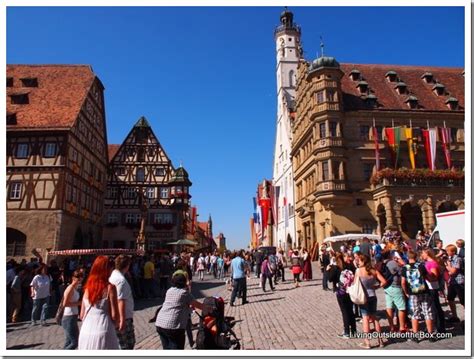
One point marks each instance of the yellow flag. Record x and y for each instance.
(411, 153)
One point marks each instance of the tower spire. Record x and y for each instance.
(321, 45)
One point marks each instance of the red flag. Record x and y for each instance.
(445, 136)
(393, 138)
(429, 137)
(377, 150)
(265, 204)
(194, 216)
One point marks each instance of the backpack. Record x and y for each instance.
(415, 279)
(273, 265)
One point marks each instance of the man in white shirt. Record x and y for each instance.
(126, 330)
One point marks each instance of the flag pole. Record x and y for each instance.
(393, 125)
(410, 122)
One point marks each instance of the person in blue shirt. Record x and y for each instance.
(239, 278)
(377, 251)
(220, 267)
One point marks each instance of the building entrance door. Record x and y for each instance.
(412, 220)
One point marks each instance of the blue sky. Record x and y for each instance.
(205, 76)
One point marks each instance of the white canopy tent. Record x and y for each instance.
(350, 237)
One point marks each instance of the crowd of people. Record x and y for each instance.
(412, 275)
(101, 291)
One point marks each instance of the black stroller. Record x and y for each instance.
(215, 329)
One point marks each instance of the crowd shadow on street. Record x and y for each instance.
(267, 300)
(24, 346)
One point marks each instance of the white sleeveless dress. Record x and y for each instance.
(98, 330)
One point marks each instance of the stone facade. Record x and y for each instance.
(333, 148)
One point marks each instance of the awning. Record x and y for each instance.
(183, 242)
(350, 237)
(97, 251)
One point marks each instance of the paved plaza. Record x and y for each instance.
(288, 318)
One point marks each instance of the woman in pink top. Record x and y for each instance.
(433, 269)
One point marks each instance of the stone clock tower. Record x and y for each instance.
(288, 54)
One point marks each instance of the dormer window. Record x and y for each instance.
(371, 100)
(391, 76)
(427, 77)
(412, 102)
(363, 86)
(29, 82)
(401, 88)
(9, 81)
(452, 103)
(11, 118)
(439, 89)
(355, 75)
(19, 99)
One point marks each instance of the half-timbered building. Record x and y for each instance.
(145, 193)
(56, 158)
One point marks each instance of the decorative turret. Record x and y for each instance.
(180, 184)
(323, 62)
(286, 23)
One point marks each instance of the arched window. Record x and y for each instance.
(292, 79)
(16, 242)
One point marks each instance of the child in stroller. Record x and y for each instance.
(215, 329)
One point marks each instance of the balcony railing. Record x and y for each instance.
(335, 185)
(325, 83)
(419, 182)
(281, 28)
(417, 177)
(327, 106)
(329, 142)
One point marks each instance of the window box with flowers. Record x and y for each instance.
(417, 177)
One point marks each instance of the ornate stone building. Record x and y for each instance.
(146, 195)
(338, 187)
(56, 158)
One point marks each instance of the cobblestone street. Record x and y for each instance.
(288, 318)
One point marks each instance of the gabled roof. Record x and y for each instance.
(389, 99)
(112, 149)
(56, 102)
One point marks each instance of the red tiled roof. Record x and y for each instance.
(202, 225)
(56, 102)
(112, 149)
(389, 99)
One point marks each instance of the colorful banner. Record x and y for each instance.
(445, 136)
(377, 150)
(194, 218)
(276, 202)
(265, 205)
(411, 144)
(429, 136)
(393, 138)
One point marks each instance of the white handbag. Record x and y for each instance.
(357, 293)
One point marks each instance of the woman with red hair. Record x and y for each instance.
(99, 310)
